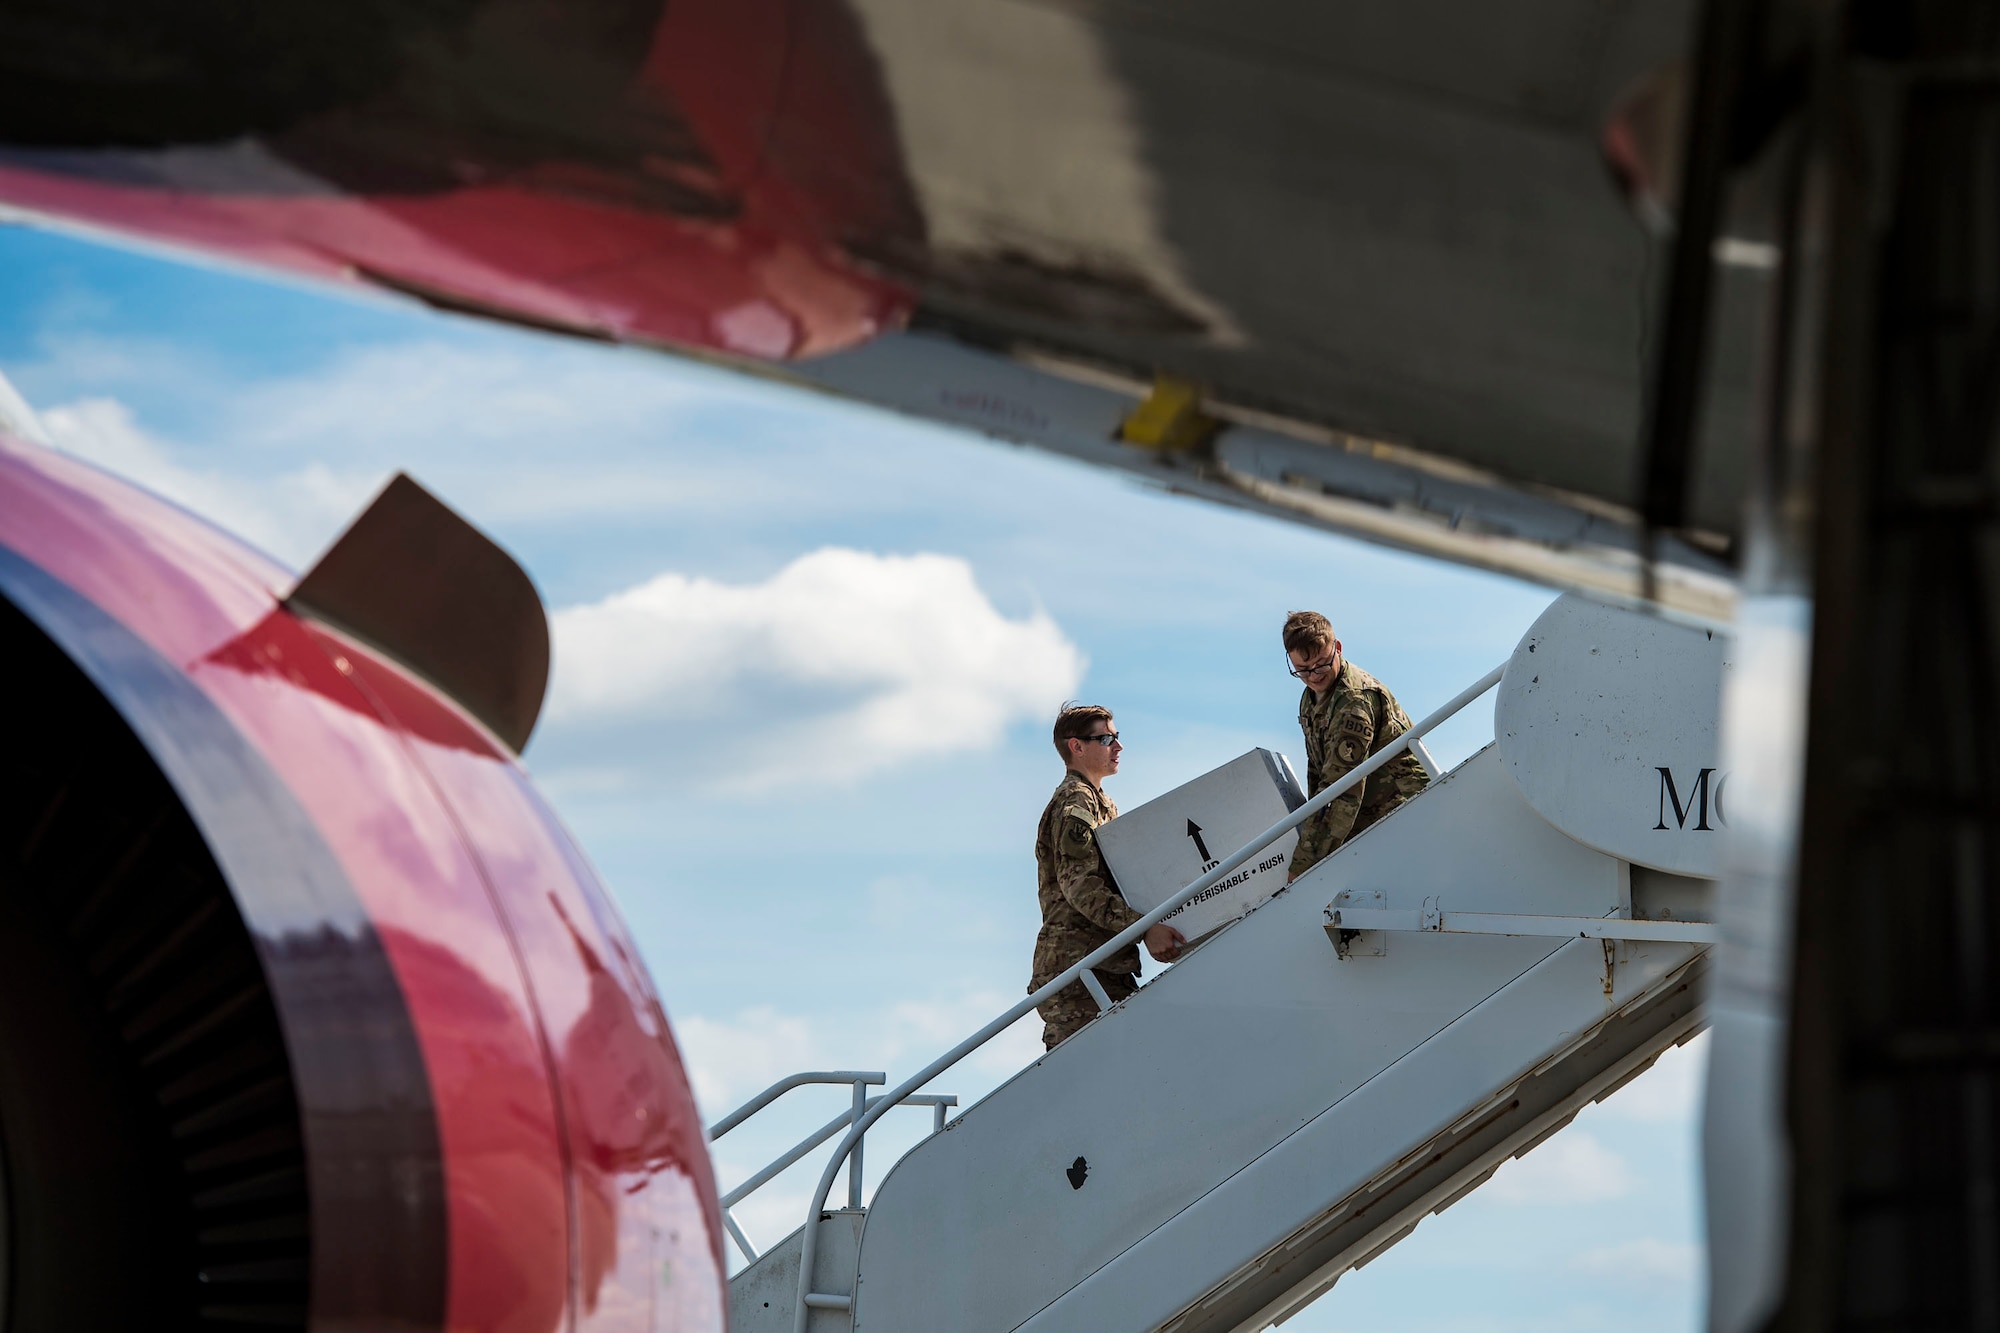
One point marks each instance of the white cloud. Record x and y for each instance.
(17, 418)
(521, 433)
(1647, 1259)
(1573, 1167)
(442, 398)
(729, 1059)
(497, 428)
(840, 664)
(291, 516)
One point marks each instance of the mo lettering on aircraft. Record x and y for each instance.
(1702, 798)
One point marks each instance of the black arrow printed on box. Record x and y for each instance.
(1194, 831)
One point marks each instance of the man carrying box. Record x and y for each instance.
(1081, 906)
(1346, 715)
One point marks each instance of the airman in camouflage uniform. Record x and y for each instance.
(1345, 721)
(1081, 906)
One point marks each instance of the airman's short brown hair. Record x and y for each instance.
(1074, 721)
(1307, 632)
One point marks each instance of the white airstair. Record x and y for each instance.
(1356, 1053)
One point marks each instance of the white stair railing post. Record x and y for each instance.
(854, 1161)
(736, 1234)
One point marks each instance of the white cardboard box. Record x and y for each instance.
(1166, 844)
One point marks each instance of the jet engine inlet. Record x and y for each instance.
(150, 1137)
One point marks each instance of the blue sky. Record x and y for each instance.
(818, 821)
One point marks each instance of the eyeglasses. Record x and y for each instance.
(1323, 665)
(1105, 738)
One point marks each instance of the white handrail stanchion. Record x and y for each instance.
(854, 1158)
(1100, 996)
(808, 1242)
(736, 1234)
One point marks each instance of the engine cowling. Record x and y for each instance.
(315, 1015)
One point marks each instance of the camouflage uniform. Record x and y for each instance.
(1353, 720)
(1081, 907)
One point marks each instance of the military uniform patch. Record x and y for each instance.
(1349, 750)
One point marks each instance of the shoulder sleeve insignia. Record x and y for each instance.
(1350, 750)
(1076, 840)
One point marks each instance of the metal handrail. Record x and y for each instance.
(821, 1135)
(873, 1078)
(880, 1105)
(861, 1079)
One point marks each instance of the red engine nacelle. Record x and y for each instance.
(313, 1015)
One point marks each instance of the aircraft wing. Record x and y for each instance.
(1380, 243)
(1359, 266)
